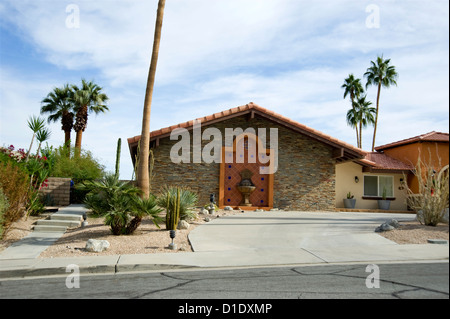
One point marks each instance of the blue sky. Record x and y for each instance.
(290, 56)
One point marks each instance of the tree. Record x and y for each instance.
(60, 106)
(365, 115)
(87, 99)
(383, 75)
(352, 87)
(35, 124)
(42, 135)
(142, 173)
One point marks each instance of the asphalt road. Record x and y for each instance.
(420, 280)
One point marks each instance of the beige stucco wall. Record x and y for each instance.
(345, 182)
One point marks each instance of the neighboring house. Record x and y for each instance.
(433, 146)
(390, 167)
(305, 177)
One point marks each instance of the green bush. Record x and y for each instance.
(79, 168)
(119, 203)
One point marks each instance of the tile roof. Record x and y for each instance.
(251, 107)
(381, 161)
(428, 137)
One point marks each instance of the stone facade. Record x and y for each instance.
(58, 191)
(305, 179)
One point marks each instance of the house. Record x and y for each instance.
(283, 163)
(389, 168)
(290, 165)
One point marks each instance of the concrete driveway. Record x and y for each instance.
(307, 237)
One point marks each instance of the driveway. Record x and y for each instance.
(313, 237)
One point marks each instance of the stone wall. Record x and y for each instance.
(305, 179)
(58, 191)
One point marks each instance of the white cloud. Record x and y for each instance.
(286, 55)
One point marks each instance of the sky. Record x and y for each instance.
(289, 56)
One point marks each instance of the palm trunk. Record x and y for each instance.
(360, 135)
(376, 116)
(67, 141)
(78, 142)
(142, 171)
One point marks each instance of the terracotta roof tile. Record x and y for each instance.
(428, 137)
(252, 106)
(382, 161)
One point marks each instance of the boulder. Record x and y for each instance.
(95, 245)
(384, 227)
(182, 224)
(228, 208)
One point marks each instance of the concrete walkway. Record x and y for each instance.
(36, 242)
(244, 240)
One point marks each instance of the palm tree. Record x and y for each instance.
(353, 87)
(365, 115)
(381, 74)
(143, 179)
(59, 104)
(89, 98)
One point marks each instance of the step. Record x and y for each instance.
(72, 217)
(57, 222)
(49, 228)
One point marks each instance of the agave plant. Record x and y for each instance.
(188, 199)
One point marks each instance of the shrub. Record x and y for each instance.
(432, 199)
(79, 168)
(119, 203)
(4, 205)
(15, 186)
(188, 199)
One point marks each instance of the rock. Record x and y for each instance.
(183, 224)
(228, 208)
(202, 211)
(206, 219)
(393, 222)
(95, 245)
(384, 227)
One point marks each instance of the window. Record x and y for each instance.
(375, 186)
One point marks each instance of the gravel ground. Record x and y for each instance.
(148, 239)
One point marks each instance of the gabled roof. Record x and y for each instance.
(379, 162)
(428, 137)
(344, 150)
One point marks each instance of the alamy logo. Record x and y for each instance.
(213, 151)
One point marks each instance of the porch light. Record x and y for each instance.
(356, 179)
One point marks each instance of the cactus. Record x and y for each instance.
(119, 148)
(173, 210)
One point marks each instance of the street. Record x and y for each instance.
(383, 281)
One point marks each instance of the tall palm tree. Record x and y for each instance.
(143, 179)
(365, 115)
(89, 98)
(59, 104)
(383, 75)
(353, 87)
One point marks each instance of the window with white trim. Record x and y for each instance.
(375, 185)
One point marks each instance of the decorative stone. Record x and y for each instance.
(206, 219)
(384, 227)
(393, 222)
(95, 245)
(182, 224)
(228, 208)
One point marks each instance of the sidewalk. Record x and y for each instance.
(246, 240)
